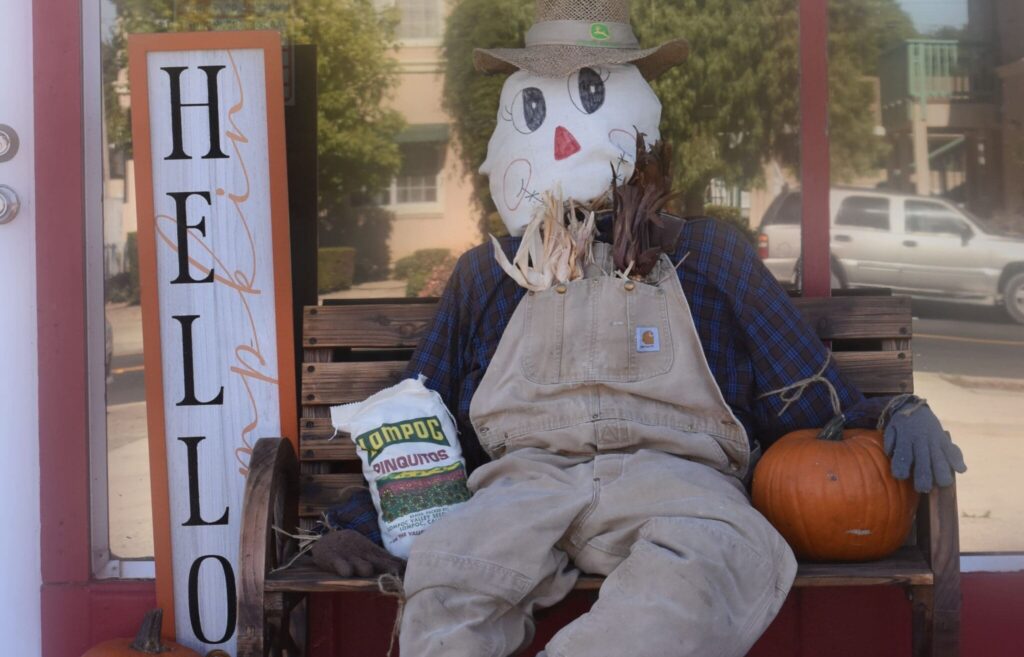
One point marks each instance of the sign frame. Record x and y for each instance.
(139, 48)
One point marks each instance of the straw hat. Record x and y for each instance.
(568, 35)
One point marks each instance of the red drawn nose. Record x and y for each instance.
(565, 144)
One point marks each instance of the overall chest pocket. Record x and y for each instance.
(597, 330)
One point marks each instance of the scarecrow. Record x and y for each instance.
(609, 366)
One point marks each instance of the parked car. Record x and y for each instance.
(921, 246)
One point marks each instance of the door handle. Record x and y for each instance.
(909, 243)
(9, 205)
(842, 238)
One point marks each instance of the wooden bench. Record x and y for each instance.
(352, 351)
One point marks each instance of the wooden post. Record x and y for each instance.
(814, 147)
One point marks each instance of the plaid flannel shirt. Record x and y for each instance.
(754, 339)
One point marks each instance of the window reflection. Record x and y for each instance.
(945, 89)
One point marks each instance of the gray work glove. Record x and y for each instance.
(914, 438)
(348, 553)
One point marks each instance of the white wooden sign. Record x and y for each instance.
(213, 245)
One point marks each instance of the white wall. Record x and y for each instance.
(20, 623)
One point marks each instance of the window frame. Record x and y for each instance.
(435, 207)
(412, 42)
(104, 564)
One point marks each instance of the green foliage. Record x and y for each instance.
(365, 227)
(733, 217)
(733, 106)
(357, 151)
(470, 98)
(417, 268)
(124, 287)
(336, 268)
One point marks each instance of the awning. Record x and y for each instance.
(424, 132)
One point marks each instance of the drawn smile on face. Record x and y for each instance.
(565, 135)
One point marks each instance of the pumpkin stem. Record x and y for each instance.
(147, 641)
(833, 431)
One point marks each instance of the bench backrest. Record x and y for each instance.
(353, 350)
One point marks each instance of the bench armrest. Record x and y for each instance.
(271, 499)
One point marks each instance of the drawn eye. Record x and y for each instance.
(587, 89)
(528, 111)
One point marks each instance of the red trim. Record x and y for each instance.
(814, 146)
(60, 257)
(75, 611)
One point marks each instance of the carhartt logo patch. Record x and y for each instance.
(647, 339)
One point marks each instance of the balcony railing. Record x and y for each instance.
(936, 70)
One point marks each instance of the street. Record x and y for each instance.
(967, 340)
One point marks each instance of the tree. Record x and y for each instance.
(731, 108)
(472, 99)
(357, 151)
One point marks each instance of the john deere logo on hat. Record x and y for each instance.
(600, 32)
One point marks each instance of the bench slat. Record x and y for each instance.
(344, 383)
(400, 326)
(385, 325)
(874, 372)
(858, 318)
(316, 444)
(317, 492)
(905, 567)
(878, 372)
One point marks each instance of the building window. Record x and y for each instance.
(419, 180)
(421, 19)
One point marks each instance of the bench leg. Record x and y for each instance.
(279, 611)
(268, 632)
(936, 630)
(923, 606)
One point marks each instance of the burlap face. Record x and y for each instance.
(565, 136)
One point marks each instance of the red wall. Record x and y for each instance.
(813, 622)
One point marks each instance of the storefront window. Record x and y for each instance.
(931, 127)
(401, 127)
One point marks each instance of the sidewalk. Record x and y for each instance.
(377, 290)
(986, 419)
(126, 325)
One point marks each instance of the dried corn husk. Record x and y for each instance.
(637, 206)
(556, 247)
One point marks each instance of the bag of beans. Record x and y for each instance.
(409, 446)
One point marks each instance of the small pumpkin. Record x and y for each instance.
(146, 642)
(831, 495)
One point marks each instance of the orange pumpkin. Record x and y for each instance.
(146, 642)
(830, 493)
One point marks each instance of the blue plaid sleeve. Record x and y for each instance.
(741, 295)
(438, 356)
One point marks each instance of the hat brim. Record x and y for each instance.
(561, 60)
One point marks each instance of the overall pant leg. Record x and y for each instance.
(693, 570)
(475, 577)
